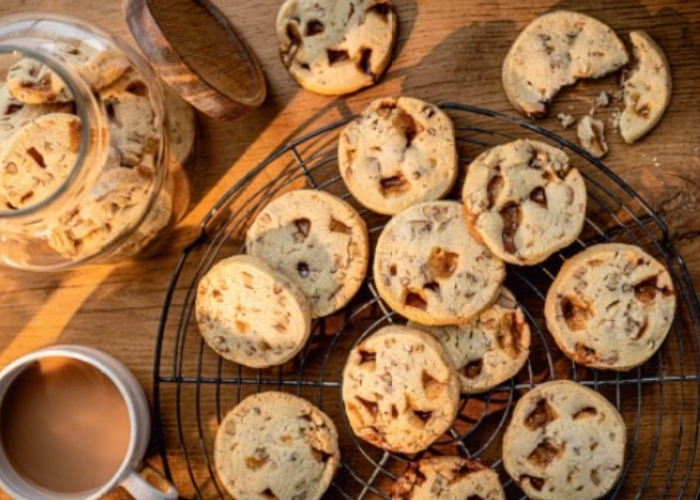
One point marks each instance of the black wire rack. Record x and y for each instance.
(194, 388)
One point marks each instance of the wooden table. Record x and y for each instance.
(446, 50)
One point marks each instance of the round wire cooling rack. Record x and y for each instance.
(194, 388)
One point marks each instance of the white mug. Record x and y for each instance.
(139, 415)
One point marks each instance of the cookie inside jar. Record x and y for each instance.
(92, 149)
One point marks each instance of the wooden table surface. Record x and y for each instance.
(446, 50)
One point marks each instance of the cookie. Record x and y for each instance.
(336, 47)
(430, 269)
(554, 51)
(135, 130)
(488, 350)
(115, 205)
(15, 114)
(181, 126)
(611, 306)
(564, 441)
(37, 159)
(448, 478)
(524, 200)
(400, 151)
(32, 82)
(646, 88)
(251, 314)
(400, 390)
(274, 445)
(319, 241)
(591, 136)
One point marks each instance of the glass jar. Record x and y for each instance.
(88, 172)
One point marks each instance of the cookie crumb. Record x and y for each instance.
(566, 120)
(615, 119)
(656, 162)
(602, 100)
(591, 135)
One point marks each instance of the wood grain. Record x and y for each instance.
(447, 50)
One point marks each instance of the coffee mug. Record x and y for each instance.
(139, 418)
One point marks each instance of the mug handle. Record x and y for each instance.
(141, 489)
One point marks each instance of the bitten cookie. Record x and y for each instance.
(33, 82)
(647, 88)
(524, 200)
(319, 241)
(251, 314)
(336, 47)
(400, 389)
(428, 268)
(556, 50)
(275, 445)
(611, 306)
(400, 151)
(565, 441)
(489, 350)
(37, 159)
(448, 478)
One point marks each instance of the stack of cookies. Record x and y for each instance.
(40, 136)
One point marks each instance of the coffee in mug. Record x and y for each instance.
(64, 425)
(74, 425)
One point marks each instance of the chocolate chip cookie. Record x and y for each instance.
(336, 47)
(524, 200)
(400, 389)
(564, 441)
(275, 445)
(398, 152)
(488, 350)
(319, 241)
(611, 306)
(251, 314)
(554, 51)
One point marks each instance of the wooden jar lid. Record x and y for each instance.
(195, 49)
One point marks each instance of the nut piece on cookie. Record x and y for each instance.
(400, 389)
(555, 50)
(564, 441)
(251, 314)
(398, 152)
(647, 88)
(275, 445)
(524, 200)
(591, 135)
(318, 241)
(611, 306)
(430, 269)
(488, 350)
(445, 478)
(336, 47)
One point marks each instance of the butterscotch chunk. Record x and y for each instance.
(400, 389)
(565, 441)
(251, 314)
(611, 306)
